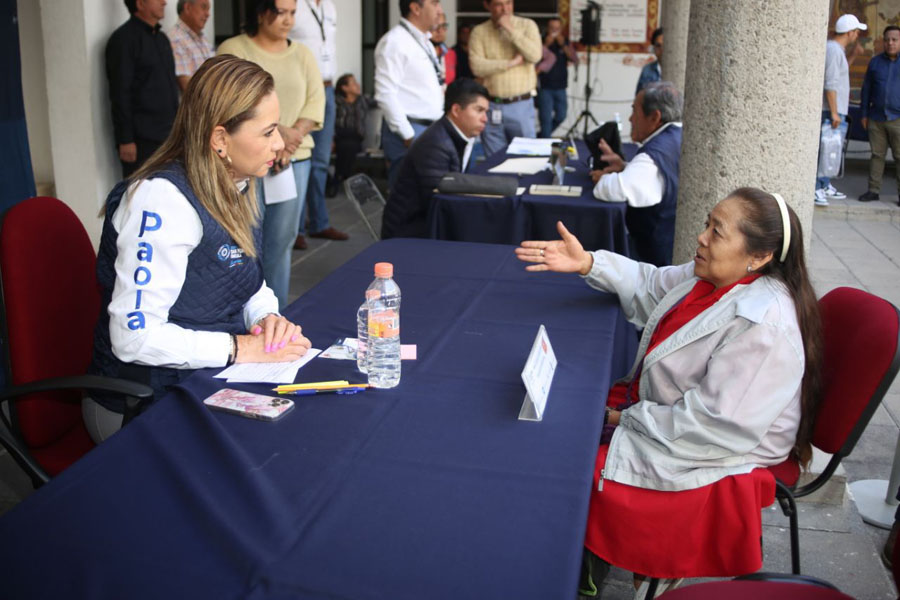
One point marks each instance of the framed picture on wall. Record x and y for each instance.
(625, 25)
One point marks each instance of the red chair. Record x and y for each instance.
(860, 337)
(50, 302)
(860, 346)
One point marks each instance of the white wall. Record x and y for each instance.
(613, 84)
(34, 88)
(349, 37)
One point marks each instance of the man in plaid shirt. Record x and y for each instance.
(188, 44)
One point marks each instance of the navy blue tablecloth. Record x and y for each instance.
(599, 225)
(431, 490)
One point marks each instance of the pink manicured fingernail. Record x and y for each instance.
(281, 345)
(293, 338)
(257, 330)
(268, 347)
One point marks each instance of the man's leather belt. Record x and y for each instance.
(425, 122)
(525, 96)
(327, 83)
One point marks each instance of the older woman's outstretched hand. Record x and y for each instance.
(563, 256)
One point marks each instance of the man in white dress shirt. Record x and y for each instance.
(408, 83)
(315, 26)
(649, 182)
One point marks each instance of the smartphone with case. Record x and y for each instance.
(247, 404)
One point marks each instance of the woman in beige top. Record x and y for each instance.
(298, 85)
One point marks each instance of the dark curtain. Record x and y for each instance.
(16, 177)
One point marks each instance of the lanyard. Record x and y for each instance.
(430, 55)
(319, 20)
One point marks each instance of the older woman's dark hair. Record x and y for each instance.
(664, 97)
(763, 231)
(253, 11)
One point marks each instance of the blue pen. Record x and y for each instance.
(342, 391)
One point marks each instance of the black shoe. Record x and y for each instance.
(593, 571)
(869, 197)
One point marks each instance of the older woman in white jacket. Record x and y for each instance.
(724, 381)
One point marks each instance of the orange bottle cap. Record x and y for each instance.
(384, 269)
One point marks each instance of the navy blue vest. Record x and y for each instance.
(653, 228)
(219, 280)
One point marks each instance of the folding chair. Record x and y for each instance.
(361, 189)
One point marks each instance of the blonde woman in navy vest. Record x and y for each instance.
(179, 260)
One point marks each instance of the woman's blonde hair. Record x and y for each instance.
(224, 91)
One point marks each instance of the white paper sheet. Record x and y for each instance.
(281, 187)
(521, 166)
(281, 372)
(532, 146)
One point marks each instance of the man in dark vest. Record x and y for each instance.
(649, 182)
(445, 147)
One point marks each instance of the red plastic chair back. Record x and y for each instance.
(51, 302)
(859, 332)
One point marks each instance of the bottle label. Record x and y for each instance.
(383, 324)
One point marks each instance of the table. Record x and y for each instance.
(431, 490)
(599, 225)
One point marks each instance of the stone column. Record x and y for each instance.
(753, 100)
(675, 19)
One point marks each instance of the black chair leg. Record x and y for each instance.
(651, 589)
(789, 508)
(795, 537)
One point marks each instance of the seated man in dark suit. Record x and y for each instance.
(444, 147)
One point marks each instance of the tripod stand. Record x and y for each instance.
(586, 117)
(590, 36)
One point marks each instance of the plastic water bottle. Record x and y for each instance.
(383, 348)
(362, 330)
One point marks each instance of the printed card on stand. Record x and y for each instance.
(538, 377)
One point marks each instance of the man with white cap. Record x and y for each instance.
(837, 90)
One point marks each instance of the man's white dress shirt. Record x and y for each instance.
(315, 26)
(406, 84)
(470, 143)
(640, 184)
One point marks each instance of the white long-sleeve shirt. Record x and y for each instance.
(406, 84)
(315, 26)
(160, 343)
(640, 185)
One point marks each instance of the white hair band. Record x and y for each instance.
(785, 224)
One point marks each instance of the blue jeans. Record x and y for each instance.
(318, 176)
(279, 223)
(518, 120)
(395, 149)
(552, 109)
(824, 182)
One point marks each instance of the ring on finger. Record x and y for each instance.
(542, 252)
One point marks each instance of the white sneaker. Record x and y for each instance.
(832, 193)
(821, 200)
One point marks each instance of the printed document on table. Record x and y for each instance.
(280, 187)
(281, 372)
(532, 146)
(521, 166)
